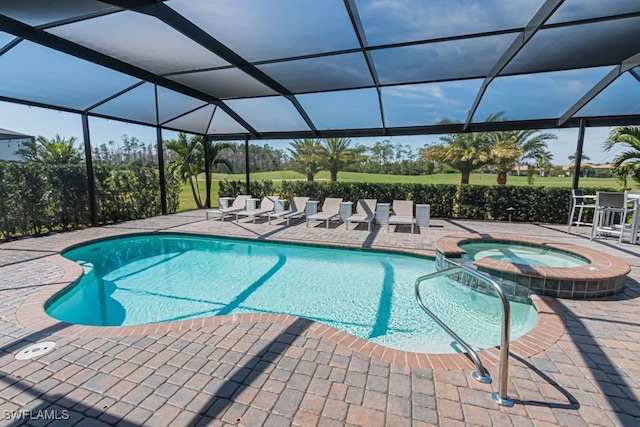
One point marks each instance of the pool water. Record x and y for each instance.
(521, 254)
(162, 278)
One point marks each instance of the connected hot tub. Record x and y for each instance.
(527, 266)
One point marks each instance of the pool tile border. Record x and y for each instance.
(549, 328)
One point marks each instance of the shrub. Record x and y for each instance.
(37, 197)
(479, 202)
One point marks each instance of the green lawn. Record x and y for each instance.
(187, 203)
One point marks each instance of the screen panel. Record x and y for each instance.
(349, 109)
(268, 29)
(35, 73)
(457, 59)
(140, 40)
(5, 39)
(195, 122)
(538, 96)
(428, 104)
(223, 123)
(269, 114)
(575, 10)
(578, 46)
(321, 74)
(621, 97)
(172, 104)
(226, 83)
(138, 104)
(397, 21)
(39, 12)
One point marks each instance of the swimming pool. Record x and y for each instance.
(167, 277)
(521, 254)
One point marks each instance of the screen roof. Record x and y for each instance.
(307, 68)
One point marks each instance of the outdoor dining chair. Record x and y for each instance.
(610, 217)
(580, 201)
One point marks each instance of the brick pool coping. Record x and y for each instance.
(547, 331)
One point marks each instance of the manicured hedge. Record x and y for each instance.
(35, 197)
(481, 202)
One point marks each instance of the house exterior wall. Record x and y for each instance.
(8, 149)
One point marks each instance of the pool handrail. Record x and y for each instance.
(481, 375)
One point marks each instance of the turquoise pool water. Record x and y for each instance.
(161, 278)
(521, 254)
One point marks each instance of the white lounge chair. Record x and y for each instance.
(239, 203)
(267, 206)
(365, 212)
(330, 210)
(402, 213)
(297, 209)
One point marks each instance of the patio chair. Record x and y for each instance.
(267, 206)
(402, 214)
(609, 206)
(634, 197)
(330, 210)
(239, 203)
(580, 201)
(297, 209)
(365, 212)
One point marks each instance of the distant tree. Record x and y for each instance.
(382, 153)
(627, 163)
(305, 157)
(572, 158)
(57, 150)
(336, 153)
(543, 162)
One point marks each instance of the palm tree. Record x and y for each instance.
(336, 153)
(572, 158)
(511, 147)
(214, 149)
(51, 151)
(543, 161)
(462, 151)
(190, 161)
(305, 157)
(627, 163)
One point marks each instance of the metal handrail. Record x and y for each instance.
(481, 374)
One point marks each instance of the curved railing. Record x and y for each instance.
(481, 374)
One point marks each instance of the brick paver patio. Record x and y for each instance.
(280, 370)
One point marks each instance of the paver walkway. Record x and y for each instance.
(266, 373)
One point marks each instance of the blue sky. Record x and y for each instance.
(39, 121)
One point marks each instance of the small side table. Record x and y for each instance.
(382, 213)
(346, 209)
(251, 204)
(224, 202)
(278, 205)
(311, 208)
(423, 213)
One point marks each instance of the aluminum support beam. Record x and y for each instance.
(538, 20)
(43, 38)
(626, 65)
(580, 145)
(247, 164)
(91, 182)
